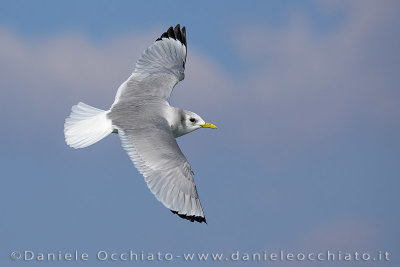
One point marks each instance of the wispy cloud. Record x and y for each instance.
(345, 235)
(314, 85)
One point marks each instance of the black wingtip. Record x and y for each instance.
(183, 34)
(198, 219)
(175, 33)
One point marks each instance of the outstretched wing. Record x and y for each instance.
(149, 142)
(159, 68)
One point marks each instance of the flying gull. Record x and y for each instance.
(147, 125)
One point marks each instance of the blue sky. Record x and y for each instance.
(306, 157)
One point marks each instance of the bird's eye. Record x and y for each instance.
(192, 119)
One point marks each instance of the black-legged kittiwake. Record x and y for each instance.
(148, 125)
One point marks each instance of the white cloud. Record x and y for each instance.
(311, 85)
(343, 235)
(68, 65)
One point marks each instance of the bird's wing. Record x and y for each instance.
(149, 142)
(159, 68)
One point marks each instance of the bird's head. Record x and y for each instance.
(194, 121)
(190, 121)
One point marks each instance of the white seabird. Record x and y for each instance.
(148, 125)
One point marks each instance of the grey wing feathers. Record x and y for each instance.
(170, 180)
(154, 151)
(159, 68)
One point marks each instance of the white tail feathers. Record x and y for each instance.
(86, 125)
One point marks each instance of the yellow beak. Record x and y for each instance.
(209, 125)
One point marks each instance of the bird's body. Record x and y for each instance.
(148, 125)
